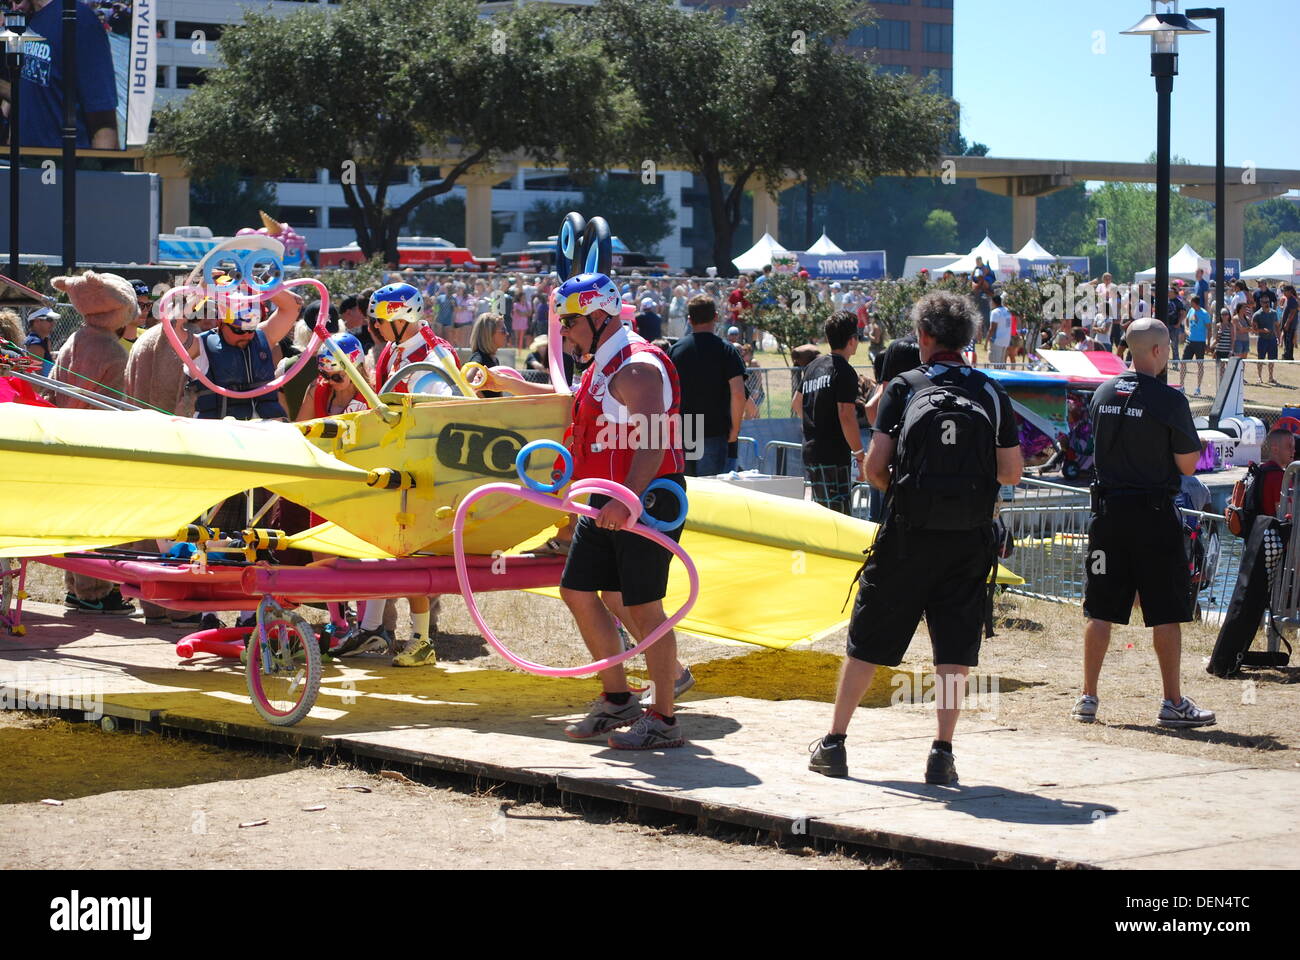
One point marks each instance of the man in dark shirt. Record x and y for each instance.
(1265, 295)
(1264, 322)
(648, 323)
(1175, 314)
(831, 437)
(1145, 442)
(712, 378)
(941, 574)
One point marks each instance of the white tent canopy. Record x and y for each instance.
(1033, 250)
(1280, 266)
(824, 245)
(987, 250)
(1182, 266)
(759, 255)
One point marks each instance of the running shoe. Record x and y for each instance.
(418, 653)
(830, 760)
(685, 680)
(651, 732)
(940, 769)
(362, 641)
(1085, 709)
(604, 716)
(1184, 714)
(113, 603)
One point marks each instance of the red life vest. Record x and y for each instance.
(320, 398)
(589, 438)
(431, 340)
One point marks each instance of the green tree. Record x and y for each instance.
(743, 103)
(440, 218)
(787, 307)
(363, 88)
(1264, 222)
(226, 201)
(638, 213)
(940, 230)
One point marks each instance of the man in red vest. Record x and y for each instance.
(626, 428)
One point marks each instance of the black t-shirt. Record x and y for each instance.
(488, 360)
(1172, 312)
(705, 366)
(827, 382)
(1139, 424)
(989, 393)
(899, 357)
(649, 325)
(1262, 295)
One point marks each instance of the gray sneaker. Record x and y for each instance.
(1085, 709)
(651, 732)
(603, 717)
(685, 680)
(1184, 714)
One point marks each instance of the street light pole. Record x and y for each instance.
(1164, 30)
(1220, 141)
(15, 27)
(69, 136)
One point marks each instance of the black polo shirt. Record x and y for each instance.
(705, 367)
(1138, 424)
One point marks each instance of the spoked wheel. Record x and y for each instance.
(284, 665)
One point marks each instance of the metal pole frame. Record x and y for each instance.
(1220, 143)
(69, 136)
(15, 63)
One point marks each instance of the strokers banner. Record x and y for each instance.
(850, 265)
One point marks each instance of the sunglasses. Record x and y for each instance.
(336, 377)
(569, 319)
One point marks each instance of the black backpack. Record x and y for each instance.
(945, 466)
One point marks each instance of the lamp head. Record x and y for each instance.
(1164, 29)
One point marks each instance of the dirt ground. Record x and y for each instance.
(143, 801)
(1028, 678)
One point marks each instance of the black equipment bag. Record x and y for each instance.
(1249, 600)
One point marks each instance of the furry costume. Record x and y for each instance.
(155, 374)
(92, 358)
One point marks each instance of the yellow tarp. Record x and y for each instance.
(774, 571)
(76, 479)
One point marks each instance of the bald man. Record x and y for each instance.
(1145, 442)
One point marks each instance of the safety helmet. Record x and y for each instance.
(350, 346)
(585, 294)
(397, 301)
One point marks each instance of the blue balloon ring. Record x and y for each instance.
(558, 479)
(247, 262)
(654, 523)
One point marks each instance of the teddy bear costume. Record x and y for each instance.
(93, 359)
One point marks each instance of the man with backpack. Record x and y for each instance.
(1145, 442)
(945, 440)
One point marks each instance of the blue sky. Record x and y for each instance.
(1031, 85)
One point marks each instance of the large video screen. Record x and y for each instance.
(116, 54)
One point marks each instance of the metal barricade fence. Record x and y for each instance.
(1286, 589)
(1048, 525)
